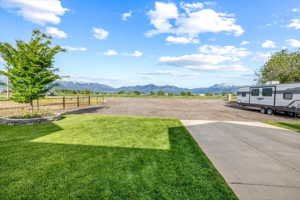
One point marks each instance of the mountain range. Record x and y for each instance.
(97, 87)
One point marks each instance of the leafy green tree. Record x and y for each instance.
(86, 92)
(136, 92)
(152, 93)
(283, 66)
(160, 93)
(183, 93)
(29, 67)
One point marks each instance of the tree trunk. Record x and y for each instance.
(31, 105)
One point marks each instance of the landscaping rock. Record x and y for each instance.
(15, 122)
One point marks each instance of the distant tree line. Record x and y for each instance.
(58, 91)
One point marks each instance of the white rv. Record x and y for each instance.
(272, 98)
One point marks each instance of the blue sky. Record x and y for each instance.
(183, 43)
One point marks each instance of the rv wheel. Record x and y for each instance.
(270, 111)
(292, 114)
(263, 110)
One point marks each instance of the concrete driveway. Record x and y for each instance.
(258, 161)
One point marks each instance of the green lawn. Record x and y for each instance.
(106, 157)
(291, 126)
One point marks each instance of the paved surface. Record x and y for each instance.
(183, 108)
(258, 161)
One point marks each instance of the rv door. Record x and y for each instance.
(263, 96)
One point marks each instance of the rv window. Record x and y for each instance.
(288, 95)
(255, 92)
(244, 94)
(267, 92)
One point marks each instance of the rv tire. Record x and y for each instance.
(270, 111)
(292, 114)
(263, 110)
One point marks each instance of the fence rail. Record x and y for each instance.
(49, 104)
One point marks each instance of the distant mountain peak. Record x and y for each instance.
(98, 87)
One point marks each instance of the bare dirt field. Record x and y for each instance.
(183, 108)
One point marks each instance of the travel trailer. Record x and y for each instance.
(272, 97)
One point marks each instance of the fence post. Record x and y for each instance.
(38, 105)
(89, 99)
(64, 102)
(102, 99)
(77, 101)
(229, 97)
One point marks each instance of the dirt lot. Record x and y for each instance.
(201, 109)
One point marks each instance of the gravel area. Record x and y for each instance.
(183, 108)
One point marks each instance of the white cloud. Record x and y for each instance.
(181, 40)
(207, 20)
(115, 82)
(111, 52)
(189, 7)
(137, 54)
(195, 60)
(69, 48)
(192, 21)
(210, 3)
(262, 56)
(100, 33)
(160, 16)
(55, 32)
(244, 43)
(293, 43)
(209, 58)
(295, 24)
(295, 10)
(229, 67)
(224, 50)
(37, 11)
(170, 73)
(126, 15)
(268, 44)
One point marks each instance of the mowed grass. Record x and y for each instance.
(287, 125)
(106, 157)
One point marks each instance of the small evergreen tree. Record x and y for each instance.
(29, 67)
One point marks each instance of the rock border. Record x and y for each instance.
(41, 120)
(31, 121)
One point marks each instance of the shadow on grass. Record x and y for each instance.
(89, 110)
(60, 171)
